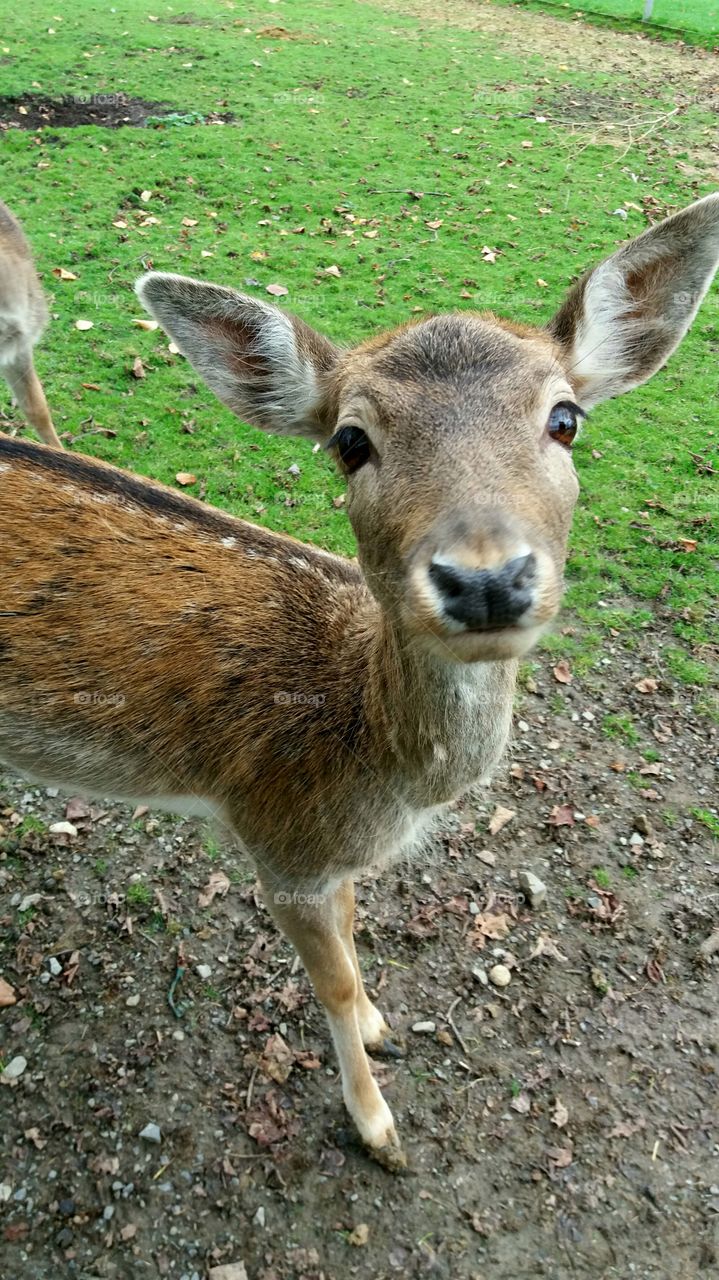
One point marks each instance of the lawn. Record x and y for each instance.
(398, 153)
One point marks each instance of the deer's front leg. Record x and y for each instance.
(317, 933)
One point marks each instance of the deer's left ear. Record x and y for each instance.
(623, 319)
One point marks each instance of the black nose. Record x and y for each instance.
(484, 598)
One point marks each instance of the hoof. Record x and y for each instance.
(386, 1048)
(391, 1157)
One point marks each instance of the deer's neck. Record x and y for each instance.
(446, 723)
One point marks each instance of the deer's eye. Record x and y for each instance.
(564, 423)
(353, 446)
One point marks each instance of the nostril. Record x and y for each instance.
(449, 579)
(522, 572)
(486, 598)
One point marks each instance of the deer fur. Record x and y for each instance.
(23, 317)
(153, 649)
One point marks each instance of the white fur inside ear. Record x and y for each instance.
(601, 353)
(292, 393)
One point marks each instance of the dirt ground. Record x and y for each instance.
(563, 1126)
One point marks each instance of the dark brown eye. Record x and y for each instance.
(353, 447)
(564, 422)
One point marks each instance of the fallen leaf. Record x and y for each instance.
(277, 290)
(138, 368)
(129, 1231)
(522, 1103)
(61, 273)
(189, 222)
(149, 325)
(647, 685)
(687, 544)
(83, 325)
(33, 1135)
(625, 1128)
(331, 271)
(560, 1115)
(545, 946)
(560, 1157)
(489, 255)
(228, 1271)
(277, 1059)
(488, 925)
(435, 224)
(7, 994)
(562, 672)
(218, 883)
(500, 818)
(360, 1235)
(562, 815)
(542, 284)
(185, 478)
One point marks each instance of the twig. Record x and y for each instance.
(452, 1024)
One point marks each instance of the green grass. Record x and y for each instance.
(708, 819)
(335, 125)
(620, 728)
(693, 21)
(138, 894)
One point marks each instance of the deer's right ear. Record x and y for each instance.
(270, 368)
(622, 320)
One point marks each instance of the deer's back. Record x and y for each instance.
(152, 646)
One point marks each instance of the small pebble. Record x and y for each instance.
(424, 1028)
(30, 900)
(132, 1001)
(151, 1133)
(66, 1208)
(643, 825)
(486, 856)
(203, 971)
(5, 1192)
(500, 975)
(14, 1068)
(481, 976)
(54, 966)
(259, 1218)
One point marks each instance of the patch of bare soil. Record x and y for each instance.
(111, 111)
(563, 1125)
(644, 68)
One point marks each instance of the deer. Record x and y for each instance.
(327, 711)
(23, 319)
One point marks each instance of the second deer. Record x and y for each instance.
(156, 650)
(23, 317)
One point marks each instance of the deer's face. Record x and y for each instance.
(455, 433)
(455, 437)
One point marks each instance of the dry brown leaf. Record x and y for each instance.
(7, 994)
(277, 290)
(61, 273)
(560, 1115)
(185, 478)
(218, 883)
(500, 818)
(149, 325)
(488, 254)
(331, 271)
(562, 672)
(435, 224)
(360, 1235)
(687, 544)
(487, 925)
(277, 1059)
(138, 368)
(189, 222)
(84, 325)
(560, 1157)
(545, 946)
(562, 815)
(647, 685)
(522, 1103)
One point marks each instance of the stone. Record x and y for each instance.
(132, 1001)
(54, 966)
(500, 975)
(14, 1069)
(203, 971)
(151, 1133)
(63, 829)
(424, 1028)
(535, 889)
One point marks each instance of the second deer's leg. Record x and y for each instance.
(317, 933)
(27, 390)
(373, 1028)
